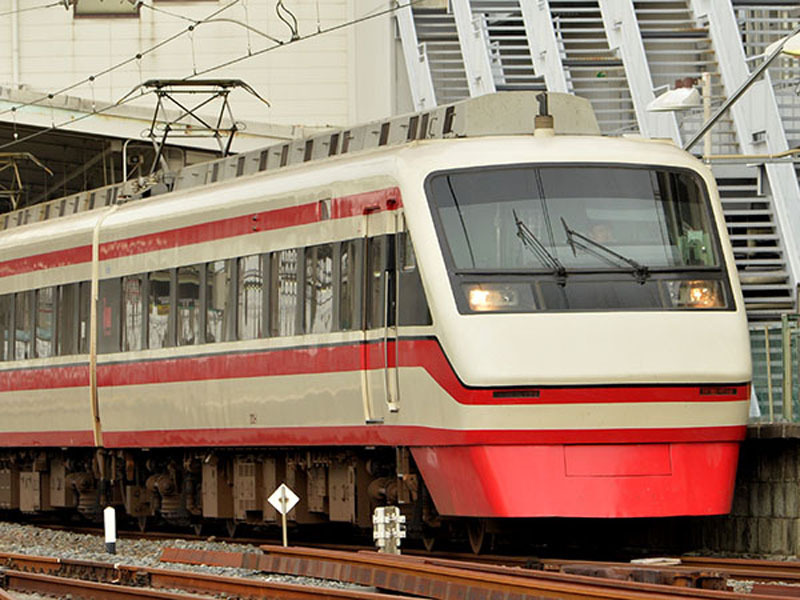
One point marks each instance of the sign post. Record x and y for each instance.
(283, 500)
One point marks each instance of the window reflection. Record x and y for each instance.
(23, 315)
(284, 303)
(318, 317)
(218, 312)
(132, 314)
(160, 285)
(45, 302)
(251, 282)
(188, 305)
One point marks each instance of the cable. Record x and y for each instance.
(127, 61)
(30, 8)
(305, 37)
(130, 98)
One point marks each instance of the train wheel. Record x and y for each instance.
(476, 531)
(231, 526)
(197, 528)
(142, 523)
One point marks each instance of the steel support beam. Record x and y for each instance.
(419, 71)
(474, 41)
(624, 36)
(543, 44)
(758, 123)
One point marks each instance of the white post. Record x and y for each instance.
(110, 526)
(284, 500)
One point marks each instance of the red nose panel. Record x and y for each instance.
(614, 480)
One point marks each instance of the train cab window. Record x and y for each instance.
(413, 307)
(23, 334)
(350, 262)
(250, 297)
(188, 326)
(318, 314)
(158, 311)
(133, 287)
(219, 307)
(67, 319)
(45, 323)
(284, 288)
(6, 321)
(109, 306)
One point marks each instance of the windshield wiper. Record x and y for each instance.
(640, 271)
(532, 243)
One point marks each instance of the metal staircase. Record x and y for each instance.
(678, 48)
(596, 73)
(761, 24)
(755, 237)
(508, 44)
(436, 32)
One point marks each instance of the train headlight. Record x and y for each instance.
(492, 297)
(697, 293)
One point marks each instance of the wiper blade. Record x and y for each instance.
(532, 243)
(640, 271)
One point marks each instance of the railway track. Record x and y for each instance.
(446, 580)
(107, 581)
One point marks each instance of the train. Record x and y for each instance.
(484, 311)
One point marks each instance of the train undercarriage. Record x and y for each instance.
(203, 490)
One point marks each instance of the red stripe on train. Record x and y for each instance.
(268, 220)
(426, 353)
(370, 435)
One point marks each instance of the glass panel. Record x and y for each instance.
(45, 300)
(251, 283)
(218, 290)
(376, 281)
(160, 287)
(85, 329)
(284, 290)
(6, 312)
(23, 315)
(132, 313)
(109, 305)
(189, 305)
(67, 330)
(350, 286)
(413, 309)
(584, 217)
(319, 290)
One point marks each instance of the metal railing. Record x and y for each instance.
(775, 349)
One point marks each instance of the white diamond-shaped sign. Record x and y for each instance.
(283, 499)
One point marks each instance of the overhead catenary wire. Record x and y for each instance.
(136, 57)
(31, 8)
(129, 98)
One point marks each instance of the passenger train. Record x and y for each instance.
(451, 311)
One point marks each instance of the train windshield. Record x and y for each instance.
(575, 224)
(492, 218)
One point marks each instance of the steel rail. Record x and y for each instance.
(39, 583)
(418, 576)
(756, 569)
(34, 567)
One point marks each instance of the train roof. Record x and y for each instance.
(499, 114)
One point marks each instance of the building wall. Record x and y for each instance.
(337, 78)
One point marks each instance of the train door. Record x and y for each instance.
(379, 357)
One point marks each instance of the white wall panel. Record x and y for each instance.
(318, 81)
